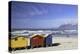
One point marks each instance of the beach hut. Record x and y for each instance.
(19, 42)
(48, 40)
(37, 41)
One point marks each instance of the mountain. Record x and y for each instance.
(68, 27)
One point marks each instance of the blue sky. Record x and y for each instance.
(39, 15)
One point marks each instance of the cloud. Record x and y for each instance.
(37, 11)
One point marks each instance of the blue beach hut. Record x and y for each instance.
(48, 40)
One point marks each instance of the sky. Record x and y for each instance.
(40, 15)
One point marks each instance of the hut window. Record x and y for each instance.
(16, 39)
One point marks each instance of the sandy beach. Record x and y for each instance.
(66, 43)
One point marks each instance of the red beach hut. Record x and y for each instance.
(37, 41)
